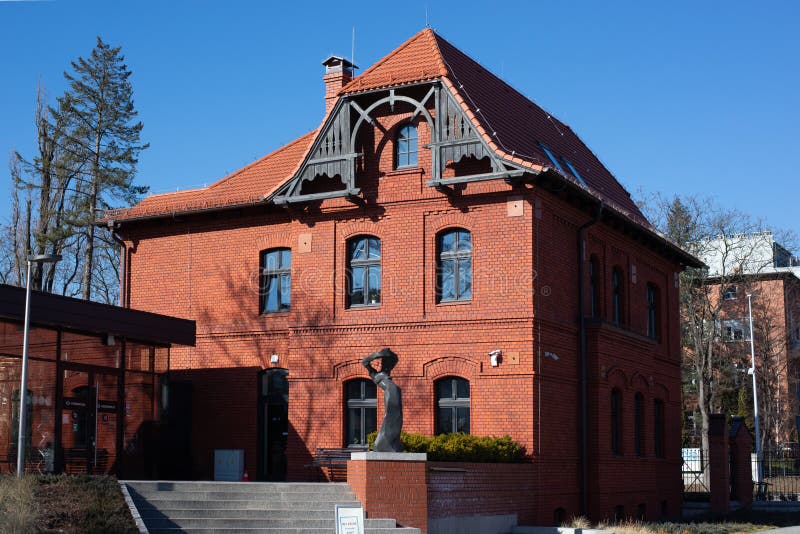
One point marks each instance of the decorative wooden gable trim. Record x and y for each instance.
(453, 137)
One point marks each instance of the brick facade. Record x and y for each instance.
(205, 266)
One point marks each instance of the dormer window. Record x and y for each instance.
(551, 157)
(573, 171)
(406, 147)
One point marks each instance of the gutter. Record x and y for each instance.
(584, 441)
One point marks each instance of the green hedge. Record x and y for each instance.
(461, 447)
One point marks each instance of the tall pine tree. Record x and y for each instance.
(99, 107)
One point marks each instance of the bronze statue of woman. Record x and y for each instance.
(388, 439)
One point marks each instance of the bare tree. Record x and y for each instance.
(719, 237)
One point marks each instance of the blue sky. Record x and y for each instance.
(679, 97)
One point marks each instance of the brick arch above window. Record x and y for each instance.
(660, 391)
(451, 366)
(446, 221)
(639, 382)
(349, 370)
(277, 240)
(356, 228)
(616, 377)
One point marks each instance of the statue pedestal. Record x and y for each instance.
(391, 484)
(372, 456)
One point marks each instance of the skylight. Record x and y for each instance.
(574, 171)
(553, 159)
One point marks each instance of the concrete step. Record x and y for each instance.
(240, 496)
(255, 487)
(224, 522)
(229, 504)
(235, 513)
(279, 531)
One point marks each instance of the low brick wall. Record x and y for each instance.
(458, 489)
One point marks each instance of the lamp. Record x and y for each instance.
(23, 389)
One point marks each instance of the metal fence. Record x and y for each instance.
(780, 475)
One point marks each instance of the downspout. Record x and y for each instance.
(584, 447)
(123, 269)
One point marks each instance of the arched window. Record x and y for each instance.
(452, 405)
(652, 311)
(276, 280)
(364, 271)
(616, 296)
(593, 300)
(454, 265)
(361, 417)
(658, 427)
(406, 147)
(638, 424)
(616, 423)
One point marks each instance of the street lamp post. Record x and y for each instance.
(23, 389)
(752, 372)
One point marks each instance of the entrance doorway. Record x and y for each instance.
(89, 420)
(273, 423)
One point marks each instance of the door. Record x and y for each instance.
(89, 419)
(273, 425)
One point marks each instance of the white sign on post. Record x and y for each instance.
(349, 519)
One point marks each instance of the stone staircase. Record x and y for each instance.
(246, 507)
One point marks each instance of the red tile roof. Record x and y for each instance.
(248, 185)
(511, 124)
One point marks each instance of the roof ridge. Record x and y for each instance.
(354, 83)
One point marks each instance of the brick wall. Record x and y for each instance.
(524, 267)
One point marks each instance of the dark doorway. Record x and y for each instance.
(273, 424)
(174, 452)
(89, 420)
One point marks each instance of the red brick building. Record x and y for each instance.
(439, 212)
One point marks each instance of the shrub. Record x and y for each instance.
(17, 505)
(461, 447)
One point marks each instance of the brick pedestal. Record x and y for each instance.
(391, 485)
(741, 443)
(719, 463)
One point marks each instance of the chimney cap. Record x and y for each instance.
(338, 64)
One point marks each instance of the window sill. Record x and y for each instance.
(353, 307)
(275, 313)
(400, 171)
(454, 302)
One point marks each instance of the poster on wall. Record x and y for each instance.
(349, 519)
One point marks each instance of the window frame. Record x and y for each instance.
(731, 292)
(653, 311)
(277, 273)
(457, 257)
(369, 265)
(551, 157)
(617, 296)
(454, 403)
(406, 127)
(362, 404)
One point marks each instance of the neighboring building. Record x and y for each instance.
(439, 212)
(758, 265)
(93, 384)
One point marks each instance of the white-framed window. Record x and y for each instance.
(730, 293)
(735, 330)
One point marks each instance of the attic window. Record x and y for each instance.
(573, 170)
(553, 159)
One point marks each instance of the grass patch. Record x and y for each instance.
(740, 522)
(63, 504)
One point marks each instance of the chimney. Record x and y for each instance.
(338, 71)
